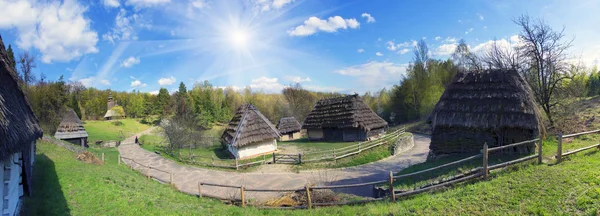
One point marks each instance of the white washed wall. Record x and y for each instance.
(257, 148)
(12, 184)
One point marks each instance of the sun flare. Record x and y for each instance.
(239, 38)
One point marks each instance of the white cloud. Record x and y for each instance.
(138, 84)
(393, 46)
(105, 82)
(267, 5)
(266, 84)
(200, 4)
(513, 42)
(480, 16)
(155, 92)
(87, 82)
(360, 50)
(438, 38)
(131, 61)
(469, 31)
(379, 54)
(167, 81)
(369, 18)
(124, 27)
(111, 3)
(403, 51)
(296, 79)
(146, 3)
(313, 24)
(445, 49)
(450, 40)
(374, 74)
(323, 88)
(59, 31)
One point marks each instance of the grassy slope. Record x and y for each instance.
(106, 130)
(306, 145)
(71, 187)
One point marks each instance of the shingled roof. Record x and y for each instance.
(343, 112)
(248, 126)
(18, 125)
(288, 125)
(70, 126)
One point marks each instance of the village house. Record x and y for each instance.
(289, 129)
(19, 130)
(71, 129)
(250, 133)
(345, 118)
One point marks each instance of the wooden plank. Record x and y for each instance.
(219, 185)
(512, 145)
(540, 144)
(438, 167)
(408, 193)
(500, 165)
(581, 149)
(559, 149)
(348, 202)
(391, 182)
(485, 152)
(308, 200)
(243, 196)
(200, 189)
(350, 185)
(582, 133)
(273, 190)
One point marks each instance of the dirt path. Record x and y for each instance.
(187, 177)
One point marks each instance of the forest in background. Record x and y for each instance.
(540, 57)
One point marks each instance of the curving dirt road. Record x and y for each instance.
(186, 177)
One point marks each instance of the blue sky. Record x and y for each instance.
(344, 46)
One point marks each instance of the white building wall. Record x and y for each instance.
(12, 184)
(255, 149)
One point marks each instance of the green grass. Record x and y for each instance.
(66, 186)
(107, 130)
(305, 145)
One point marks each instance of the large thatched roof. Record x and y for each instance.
(18, 125)
(490, 99)
(288, 125)
(248, 126)
(70, 126)
(343, 112)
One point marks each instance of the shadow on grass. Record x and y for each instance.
(47, 197)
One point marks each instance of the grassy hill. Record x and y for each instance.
(67, 186)
(109, 130)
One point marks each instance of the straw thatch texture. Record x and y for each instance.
(19, 127)
(288, 125)
(248, 126)
(343, 112)
(493, 106)
(70, 126)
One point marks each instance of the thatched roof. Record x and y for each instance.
(288, 125)
(248, 126)
(70, 126)
(343, 112)
(18, 125)
(491, 99)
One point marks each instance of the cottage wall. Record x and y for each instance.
(254, 149)
(290, 136)
(448, 140)
(315, 134)
(12, 187)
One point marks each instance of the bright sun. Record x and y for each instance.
(239, 38)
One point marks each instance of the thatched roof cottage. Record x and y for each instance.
(289, 129)
(71, 129)
(19, 130)
(250, 133)
(345, 118)
(111, 114)
(493, 106)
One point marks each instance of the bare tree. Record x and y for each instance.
(464, 58)
(27, 63)
(544, 53)
(501, 56)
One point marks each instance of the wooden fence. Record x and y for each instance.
(560, 137)
(478, 172)
(148, 169)
(339, 153)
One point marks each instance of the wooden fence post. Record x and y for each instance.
(334, 156)
(171, 179)
(485, 160)
(559, 150)
(236, 164)
(358, 147)
(200, 189)
(148, 171)
(391, 182)
(540, 150)
(119, 159)
(242, 195)
(102, 156)
(300, 158)
(274, 158)
(308, 200)
(212, 160)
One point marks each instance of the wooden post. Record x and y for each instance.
(485, 160)
(148, 172)
(391, 182)
(358, 147)
(540, 150)
(200, 189)
(212, 160)
(308, 200)
(119, 159)
(273, 157)
(171, 179)
(300, 158)
(102, 156)
(236, 164)
(334, 156)
(243, 196)
(559, 150)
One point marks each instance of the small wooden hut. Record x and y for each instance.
(71, 129)
(250, 133)
(19, 130)
(345, 118)
(493, 106)
(289, 129)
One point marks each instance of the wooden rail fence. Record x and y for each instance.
(148, 169)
